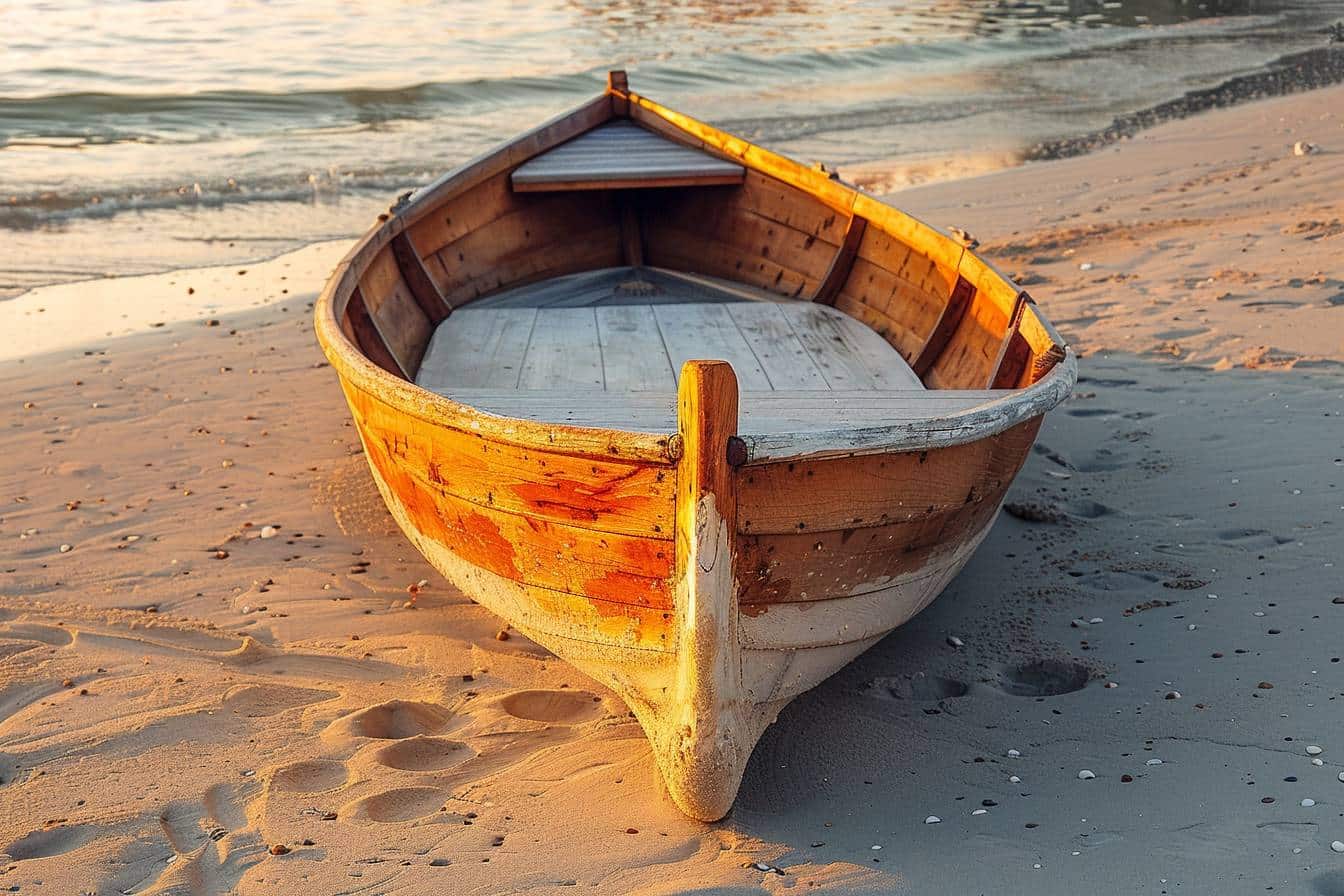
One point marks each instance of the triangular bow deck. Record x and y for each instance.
(623, 155)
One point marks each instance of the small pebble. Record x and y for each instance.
(1265, 686)
(1337, 846)
(979, 811)
(65, 549)
(1086, 775)
(932, 819)
(1096, 620)
(1087, 266)
(501, 635)
(1314, 750)
(1154, 762)
(279, 849)
(1014, 753)
(1126, 779)
(1303, 148)
(269, 531)
(954, 641)
(1111, 684)
(1173, 695)
(1318, 762)
(1014, 779)
(1308, 803)
(1341, 777)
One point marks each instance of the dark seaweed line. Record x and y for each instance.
(1295, 73)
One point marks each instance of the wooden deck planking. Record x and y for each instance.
(620, 154)
(766, 328)
(564, 352)
(475, 350)
(610, 343)
(849, 354)
(707, 332)
(634, 358)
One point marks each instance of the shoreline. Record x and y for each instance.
(219, 671)
(1288, 75)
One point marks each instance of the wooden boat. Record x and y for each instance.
(703, 421)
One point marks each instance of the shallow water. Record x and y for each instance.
(142, 136)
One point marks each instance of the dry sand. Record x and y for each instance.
(193, 703)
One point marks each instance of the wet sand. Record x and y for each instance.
(225, 683)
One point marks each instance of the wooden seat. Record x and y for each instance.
(623, 155)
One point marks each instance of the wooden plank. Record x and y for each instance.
(622, 154)
(422, 286)
(968, 361)
(634, 358)
(699, 740)
(765, 326)
(552, 222)
(367, 336)
(618, 86)
(404, 327)
(597, 493)
(963, 295)
(707, 332)
(822, 566)
(855, 492)
(582, 251)
(564, 352)
(848, 354)
(632, 238)
(726, 219)
(474, 349)
(648, 181)
(842, 264)
(618, 568)
(762, 412)
(671, 247)
(1014, 352)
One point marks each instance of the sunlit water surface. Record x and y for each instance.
(140, 136)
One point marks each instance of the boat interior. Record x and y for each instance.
(571, 288)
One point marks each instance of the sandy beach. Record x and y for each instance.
(223, 669)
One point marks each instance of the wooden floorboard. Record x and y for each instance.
(578, 335)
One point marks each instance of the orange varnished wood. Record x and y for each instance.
(970, 355)
(602, 494)
(823, 565)
(841, 526)
(619, 569)
(873, 490)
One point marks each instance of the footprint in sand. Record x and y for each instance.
(52, 842)
(1043, 678)
(921, 688)
(402, 804)
(393, 720)
(559, 707)
(310, 776)
(424, 754)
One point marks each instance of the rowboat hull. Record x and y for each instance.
(706, 574)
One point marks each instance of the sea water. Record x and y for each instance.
(139, 136)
